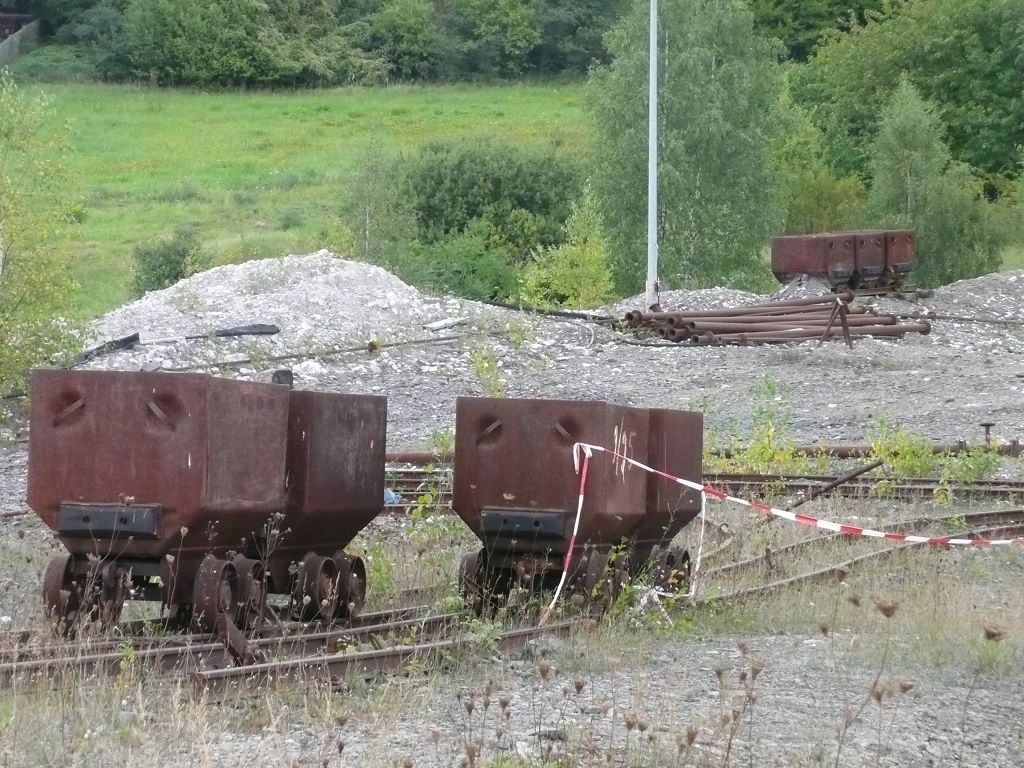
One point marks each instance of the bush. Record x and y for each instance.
(55, 64)
(464, 265)
(575, 273)
(917, 184)
(35, 282)
(522, 195)
(162, 263)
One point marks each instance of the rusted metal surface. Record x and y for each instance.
(201, 454)
(840, 258)
(335, 475)
(515, 488)
(189, 653)
(869, 255)
(153, 472)
(859, 258)
(900, 250)
(228, 684)
(794, 255)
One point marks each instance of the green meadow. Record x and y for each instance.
(258, 173)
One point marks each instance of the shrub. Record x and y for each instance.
(162, 263)
(35, 282)
(464, 265)
(575, 273)
(521, 194)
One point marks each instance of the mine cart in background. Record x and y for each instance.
(515, 487)
(862, 259)
(201, 492)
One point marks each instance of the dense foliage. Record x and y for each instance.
(369, 41)
(718, 189)
(34, 282)
(966, 56)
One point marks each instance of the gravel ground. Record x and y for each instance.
(941, 386)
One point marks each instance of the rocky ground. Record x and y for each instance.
(331, 312)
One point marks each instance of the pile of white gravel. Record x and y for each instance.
(331, 310)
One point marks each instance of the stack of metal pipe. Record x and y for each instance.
(817, 317)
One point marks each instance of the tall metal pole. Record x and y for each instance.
(652, 163)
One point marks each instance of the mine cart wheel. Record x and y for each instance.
(351, 585)
(61, 595)
(111, 590)
(471, 587)
(214, 593)
(315, 593)
(670, 569)
(252, 595)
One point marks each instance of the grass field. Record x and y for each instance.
(259, 174)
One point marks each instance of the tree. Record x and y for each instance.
(800, 23)
(35, 283)
(816, 200)
(576, 273)
(966, 56)
(718, 100)
(917, 184)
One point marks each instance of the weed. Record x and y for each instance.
(487, 369)
(904, 453)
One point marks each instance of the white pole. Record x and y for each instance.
(652, 163)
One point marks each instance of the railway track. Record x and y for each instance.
(966, 525)
(370, 645)
(430, 489)
(833, 570)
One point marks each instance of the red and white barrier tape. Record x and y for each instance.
(814, 522)
(587, 451)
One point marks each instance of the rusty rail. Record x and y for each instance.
(1004, 517)
(241, 682)
(187, 653)
(833, 570)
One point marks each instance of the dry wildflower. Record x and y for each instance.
(641, 725)
(742, 647)
(841, 573)
(340, 720)
(825, 628)
(994, 632)
(631, 720)
(743, 676)
(878, 691)
(854, 600)
(469, 704)
(489, 688)
(724, 719)
(407, 762)
(487, 702)
(590, 626)
(544, 668)
(341, 746)
(849, 718)
(691, 734)
(885, 605)
(578, 684)
(435, 736)
(604, 706)
(503, 702)
(756, 666)
(720, 674)
(471, 750)
(905, 685)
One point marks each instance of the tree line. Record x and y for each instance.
(330, 42)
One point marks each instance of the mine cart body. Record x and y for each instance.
(794, 255)
(869, 247)
(900, 251)
(157, 471)
(516, 489)
(840, 257)
(335, 472)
